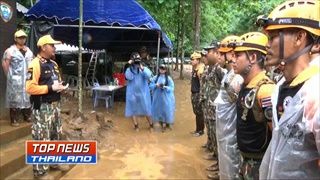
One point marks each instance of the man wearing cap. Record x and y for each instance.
(294, 150)
(197, 71)
(15, 63)
(213, 83)
(44, 85)
(208, 145)
(254, 108)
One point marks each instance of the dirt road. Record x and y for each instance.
(127, 154)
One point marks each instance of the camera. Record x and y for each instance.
(136, 61)
(161, 86)
(136, 58)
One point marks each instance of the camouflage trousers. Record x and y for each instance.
(197, 110)
(46, 126)
(249, 168)
(210, 121)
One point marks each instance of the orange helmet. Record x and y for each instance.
(252, 41)
(302, 14)
(225, 44)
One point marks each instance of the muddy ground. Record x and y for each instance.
(126, 154)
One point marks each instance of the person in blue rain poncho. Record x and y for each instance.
(163, 103)
(138, 99)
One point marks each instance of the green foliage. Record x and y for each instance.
(26, 3)
(219, 18)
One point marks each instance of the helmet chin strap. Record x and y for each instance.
(247, 70)
(295, 55)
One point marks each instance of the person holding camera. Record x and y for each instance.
(138, 98)
(163, 104)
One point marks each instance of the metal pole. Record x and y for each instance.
(158, 50)
(80, 55)
(101, 27)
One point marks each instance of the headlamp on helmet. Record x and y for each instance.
(303, 14)
(252, 41)
(204, 52)
(228, 43)
(213, 45)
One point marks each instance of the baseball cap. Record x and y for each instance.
(20, 33)
(47, 39)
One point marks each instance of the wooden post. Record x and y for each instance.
(80, 55)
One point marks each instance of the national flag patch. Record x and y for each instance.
(266, 102)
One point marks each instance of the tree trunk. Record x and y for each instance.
(183, 30)
(196, 23)
(178, 35)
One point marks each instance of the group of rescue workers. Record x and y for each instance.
(258, 97)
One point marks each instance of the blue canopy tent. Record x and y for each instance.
(116, 25)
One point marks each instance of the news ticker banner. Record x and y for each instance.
(61, 152)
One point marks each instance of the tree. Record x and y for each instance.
(196, 6)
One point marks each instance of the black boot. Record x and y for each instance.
(136, 127)
(14, 117)
(26, 114)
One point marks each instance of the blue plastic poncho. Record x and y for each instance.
(138, 99)
(163, 102)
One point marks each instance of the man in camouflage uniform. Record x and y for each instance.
(15, 63)
(207, 69)
(213, 81)
(44, 84)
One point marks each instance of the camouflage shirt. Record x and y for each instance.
(213, 84)
(203, 84)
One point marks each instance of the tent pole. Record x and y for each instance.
(101, 27)
(158, 51)
(80, 56)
